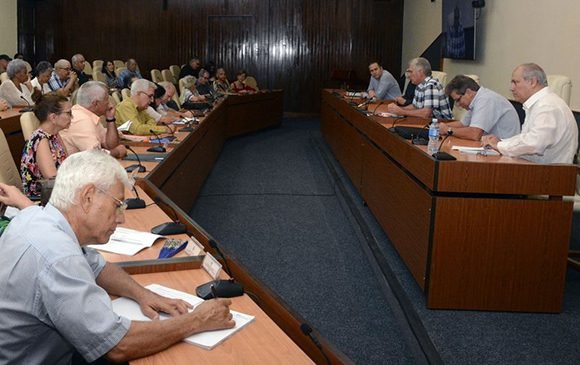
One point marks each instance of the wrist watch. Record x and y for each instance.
(449, 131)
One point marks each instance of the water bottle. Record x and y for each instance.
(433, 145)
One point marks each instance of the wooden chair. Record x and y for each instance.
(8, 171)
(156, 75)
(29, 123)
(168, 76)
(175, 70)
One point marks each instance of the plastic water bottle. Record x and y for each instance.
(433, 145)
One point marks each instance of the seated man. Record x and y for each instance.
(382, 84)
(191, 69)
(549, 133)
(203, 86)
(59, 289)
(135, 110)
(430, 100)
(78, 66)
(158, 98)
(487, 111)
(85, 131)
(168, 106)
(129, 74)
(63, 80)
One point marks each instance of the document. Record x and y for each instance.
(127, 241)
(485, 151)
(130, 309)
(125, 126)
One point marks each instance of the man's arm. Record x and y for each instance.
(410, 111)
(112, 135)
(461, 131)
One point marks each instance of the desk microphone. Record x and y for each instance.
(169, 228)
(366, 102)
(418, 140)
(158, 149)
(222, 288)
(395, 121)
(29, 108)
(307, 330)
(135, 203)
(189, 127)
(136, 166)
(444, 156)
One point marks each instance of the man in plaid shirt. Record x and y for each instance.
(430, 100)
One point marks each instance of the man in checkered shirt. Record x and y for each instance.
(430, 100)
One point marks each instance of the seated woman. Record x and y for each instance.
(240, 86)
(191, 97)
(108, 70)
(221, 84)
(43, 74)
(44, 152)
(17, 91)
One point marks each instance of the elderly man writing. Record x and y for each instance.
(55, 299)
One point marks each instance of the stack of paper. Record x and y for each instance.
(127, 241)
(130, 309)
(476, 150)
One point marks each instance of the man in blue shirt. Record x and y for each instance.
(382, 84)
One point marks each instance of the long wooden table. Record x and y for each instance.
(482, 232)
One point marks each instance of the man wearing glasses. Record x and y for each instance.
(135, 110)
(55, 304)
(63, 80)
(487, 111)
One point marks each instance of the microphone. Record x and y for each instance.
(135, 203)
(220, 288)
(158, 149)
(366, 102)
(189, 127)
(138, 166)
(29, 108)
(307, 330)
(395, 121)
(418, 140)
(169, 228)
(443, 156)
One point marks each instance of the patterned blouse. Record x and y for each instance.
(29, 170)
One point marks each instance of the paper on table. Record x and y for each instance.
(127, 241)
(130, 309)
(476, 150)
(125, 126)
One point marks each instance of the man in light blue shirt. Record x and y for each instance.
(382, 84)
(55, 290)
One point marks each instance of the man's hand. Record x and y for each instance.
(372, 94)
(394, 108)
(153, 303)
(490, 140)
(214, 314)
(3, 105)
(13, 197)
(110, 112)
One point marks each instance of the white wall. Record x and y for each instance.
(8, 27)
(510, 32)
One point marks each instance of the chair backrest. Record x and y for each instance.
(459, 112)
(156, 75)
(251, 81)
(115, 95)
(88, 68)
(182, 84)
(168, 76)
(119, 63)
(561, 85)
(98, 76)
(441, 76)
(175, 70)
(8, 171)
(119, 70)
(29, 123)
(112, 100)
(126, 93)
(98, 65)
(3, 77)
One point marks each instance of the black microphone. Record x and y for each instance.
(138, 165)
(444, 156)
(135, 203)
(29, 108)
(366, 102)
(222, 288)
(307, 330)
(418, 140)
(158, 149)
(189, 126)
(169, 228)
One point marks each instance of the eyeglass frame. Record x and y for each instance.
(121, 206)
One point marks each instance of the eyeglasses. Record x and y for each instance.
(121, 205)
(149, 96)
(458, 99)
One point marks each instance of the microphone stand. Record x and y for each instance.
(158, 149)
(443, 156)
(169, 228)
(138, 165)
(222, 288)
(418, 140)
(135, 203)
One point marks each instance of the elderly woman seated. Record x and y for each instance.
(17, 91)
(43, 72)
(192, 99)
(221, 84)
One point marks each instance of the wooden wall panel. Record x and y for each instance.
(286, 44)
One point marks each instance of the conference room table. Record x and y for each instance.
(478, 233)
(169, 188)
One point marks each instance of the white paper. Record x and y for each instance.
(130, 309)
(125, 126)
(476, 150)
(127, 241)
(211, 266)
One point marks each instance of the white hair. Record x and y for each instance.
(91, 91)
(91, 167)
(141, 85)
(14, 67)
(167, 85)
(422, 64)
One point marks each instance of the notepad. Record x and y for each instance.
(128, 308)
(127, 241)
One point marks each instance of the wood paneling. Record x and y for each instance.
(287, 44)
